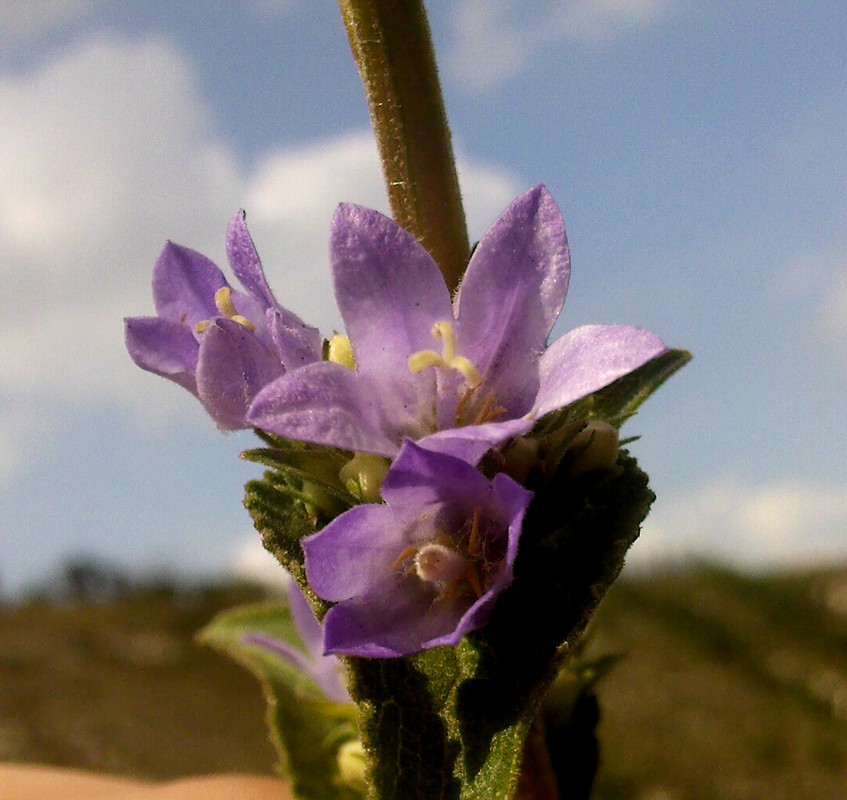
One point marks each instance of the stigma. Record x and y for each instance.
(447, 358)
(226, 308)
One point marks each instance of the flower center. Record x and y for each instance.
(224, 304)
(447, 358)
(449, 564)
(437, 563)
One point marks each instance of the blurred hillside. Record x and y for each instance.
(731, 687)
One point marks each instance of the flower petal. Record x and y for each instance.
(512, 500)
(163, 347)
(323, 403)
(296, 343)
(304, 618)
(511, 295)
(232, 368)
(389, 291)
(354, 553)
(398, 619)
(471, 442)
(587, 359)
(420, 477)
(184, 285)
(245, 262)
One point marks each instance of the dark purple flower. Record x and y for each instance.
(222, 345)
(465, 374)
(422, 569)
(324, 670)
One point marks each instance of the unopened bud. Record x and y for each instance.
(594, 447)
(352, 766)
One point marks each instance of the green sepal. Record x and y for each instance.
(452, 722)
(307, 473)
(306, 728)
(299, 494)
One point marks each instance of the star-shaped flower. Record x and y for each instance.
(465, 373)
(425, 567)
(222, 345)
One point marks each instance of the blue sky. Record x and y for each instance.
(697, 150)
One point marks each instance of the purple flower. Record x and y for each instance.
(423, 569)
(324, 671)
(222, 345)
(467, 374)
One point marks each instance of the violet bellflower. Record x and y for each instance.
(323, 670)
(425, 567)
(465, 374)
(221, 344)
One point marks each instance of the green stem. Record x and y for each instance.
(391, 44)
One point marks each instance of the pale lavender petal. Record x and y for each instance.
(296, 657)
(163, 347)
(304, 618)
(232, 368)
(511, 295)
(245, 262)
(472, 442)
(184, 285)
(296, 343)
(420, 477)
(396, 620)
(389, 291)
(325, 669)
(322, 670)
(587, 359)
(354, 552)
(323, 403)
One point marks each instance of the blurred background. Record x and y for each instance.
(699, 154)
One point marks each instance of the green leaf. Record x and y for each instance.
(622, 398)
(306, 728)
(452, 722)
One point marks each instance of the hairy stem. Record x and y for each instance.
(391, 44)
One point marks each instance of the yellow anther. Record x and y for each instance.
(224, 304)
(447, 358)
(341, 351)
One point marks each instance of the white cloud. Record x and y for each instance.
(23, 21)
(107, 150)
(251, 562)
(819, 278)
(496, 39)
(833, 320)
(781, 522)
(293, 194)
(18, 424)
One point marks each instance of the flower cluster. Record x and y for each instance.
(423, 384)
